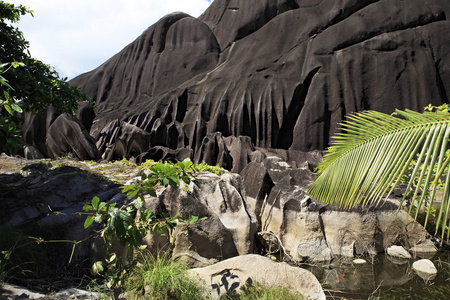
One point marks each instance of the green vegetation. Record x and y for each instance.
(9, 132)
(373, 153)
(161, 278)
(259, 291)
(137, 273)
(122, 225)
(202, 167)
(26, 84)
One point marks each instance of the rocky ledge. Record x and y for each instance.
(264, 210)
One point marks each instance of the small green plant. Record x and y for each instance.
(10, 135)
(259, 291)
(162, 278)
(147, 164)
(121, 224)
(204, 167)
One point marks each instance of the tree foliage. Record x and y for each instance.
(375, 151)
(26, 84)
(35, 85)
(10, 135)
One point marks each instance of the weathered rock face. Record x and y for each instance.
(308, 230)
(229, 230)
(44, 200)
(282, 73)
(43, 194)
(51, 134)
(232, 274)
(48, 196)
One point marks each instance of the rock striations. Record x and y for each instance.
(280, 74)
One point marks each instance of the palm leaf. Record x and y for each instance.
(368, 159)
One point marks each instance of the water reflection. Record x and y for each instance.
(385, 276)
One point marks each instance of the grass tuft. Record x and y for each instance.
(262, 292)
(161, 278)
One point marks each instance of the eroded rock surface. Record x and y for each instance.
(230, 228)
(54, 135)
(280, 73)
(287, 223)
(232, 274)
(309, 230)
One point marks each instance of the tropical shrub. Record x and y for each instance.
(370, 157)
(10, 134)
(121, 224)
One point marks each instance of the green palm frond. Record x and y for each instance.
(365, 162)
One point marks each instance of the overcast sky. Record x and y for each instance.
(76, 36)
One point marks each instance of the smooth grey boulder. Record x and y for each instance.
(258, 185)
(359, 261)
(11, 291)
(314, 249)
(424, 247)
(425, 269)
(51, 134)
(424, 266)
(49, 195)
(232, 274)
(31, 152)
(68, 137)
(398, 251)
(35, 128)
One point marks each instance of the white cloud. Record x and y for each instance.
(76, 36)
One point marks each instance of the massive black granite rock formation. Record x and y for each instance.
(52, 134)
(280, 73)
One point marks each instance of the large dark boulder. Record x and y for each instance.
(282, 73)
(35, 128)
(54, 135)
(67, 137)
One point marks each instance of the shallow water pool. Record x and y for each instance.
(383, 277)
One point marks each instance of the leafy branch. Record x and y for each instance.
(8, 103)
(129, 224)
(373, 153)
